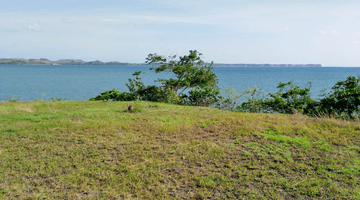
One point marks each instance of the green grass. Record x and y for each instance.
(99, 150)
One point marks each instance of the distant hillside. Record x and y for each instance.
(44, 61)
(266, 65)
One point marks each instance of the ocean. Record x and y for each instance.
(81, 82)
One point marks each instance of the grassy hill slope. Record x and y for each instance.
(98, 150)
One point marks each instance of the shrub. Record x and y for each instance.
(254, 103)
(289, 99)
(231, 99)
(195, 83)
(343, 100)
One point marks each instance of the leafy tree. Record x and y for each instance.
(344, 99)
(190, 71)
(193, 82)
(191, 75)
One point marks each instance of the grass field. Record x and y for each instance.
(98, 150)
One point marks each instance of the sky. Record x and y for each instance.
(224, 31)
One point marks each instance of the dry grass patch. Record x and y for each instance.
(98, 150)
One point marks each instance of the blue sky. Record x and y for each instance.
(226, 31)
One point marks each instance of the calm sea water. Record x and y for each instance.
(30, 82)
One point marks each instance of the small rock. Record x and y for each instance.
(130, 108)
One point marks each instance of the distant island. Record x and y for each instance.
(266, 65)
(44, 61)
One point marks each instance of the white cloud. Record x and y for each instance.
(34, 27)
(356, 34)
(333, 31)
(189, 26)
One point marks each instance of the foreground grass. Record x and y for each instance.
(98, 150)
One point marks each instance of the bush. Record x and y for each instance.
(230, 101)
(343, 100)
(195, 83)
(254, 103)
(289, 99)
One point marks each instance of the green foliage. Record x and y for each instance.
(138, 91)
(254, 103)
(343, 100)
(231, 99)
(113, 95)
(202, 96)
(194, 83)
(53, 99)
(190, 71)
(192, 75)
(11, 99)
(289, 99)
